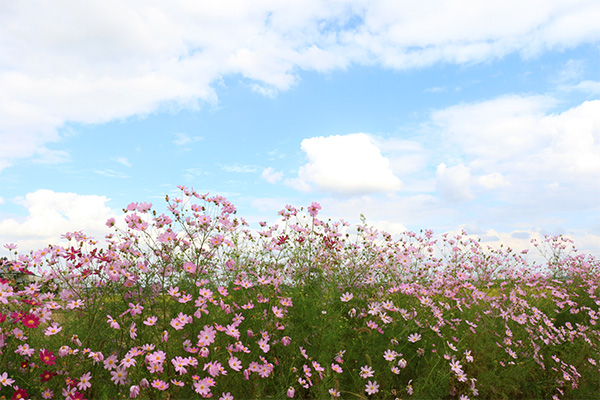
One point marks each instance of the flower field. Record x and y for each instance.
(195, 304)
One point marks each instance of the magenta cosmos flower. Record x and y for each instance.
(47, 357)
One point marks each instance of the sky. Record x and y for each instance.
(442, 115)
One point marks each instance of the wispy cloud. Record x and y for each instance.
(271, 176)
(123, 161)
(244, 169)
(111, 173)
(183, 139)
(590, 87)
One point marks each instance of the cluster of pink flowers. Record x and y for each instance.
(186, 312)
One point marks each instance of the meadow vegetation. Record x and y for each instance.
(195, 304)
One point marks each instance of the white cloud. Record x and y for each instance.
(114, 60)
(111, 173)
(591, 87)
(497, 129)
(245, 169)
(454, 182)
(183, 139)
(524, 139)
(123, 161)
(51, 214)
(542, 162)
(348, 165)
(572, 70)
(493, 181)
(271, 176)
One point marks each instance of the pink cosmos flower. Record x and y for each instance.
(132, 331)
(264, 345)
(290, 392)
(235, 363)
(313, 209)
(73, 304)
(409, 388)
(372, 324)
(176, 323)
(223, 291)
(206, 336)
(160, 385)
(155, 368)
(128, 361)
(455, 366)
(277, 311)
(346, 297)
(111, 362)
(415, 337)
(96, 356)
(372, 388)
(226, 396)
(84, 381)
(180, 363)
(119, 376)
(265, 370)
(25, 350)
(366, 372)
(468, 356)
(202, 387)
(53, 329)
(157, 357)
(5, 380)
(336, 368)
(390, 355)
(135, 309)
(189, 267)
(151, 321)
(134, 391)
(113, 324)
(64, 351)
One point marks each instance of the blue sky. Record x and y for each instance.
(442, 115)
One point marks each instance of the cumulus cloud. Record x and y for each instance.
(454, 183)
(346, 164)
(521, 138)
(114, 60)
(51, 214)
(496, 129)
(493, 181)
